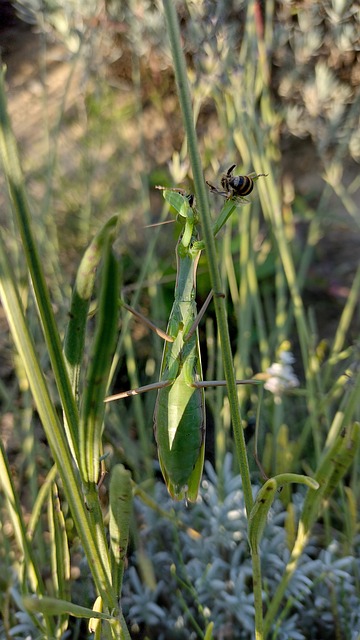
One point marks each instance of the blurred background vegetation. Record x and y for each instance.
(93, 104)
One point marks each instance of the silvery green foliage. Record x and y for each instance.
(316, 52)
(70, 20)
(24, 627)
(212, 571)
(144, 26)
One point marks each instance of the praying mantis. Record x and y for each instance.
(179, 417)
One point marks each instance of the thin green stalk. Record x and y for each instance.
(38, 505)
(245, 310)
(220, 408)
(59, 547)
(203, 207)
(228, 266)
(347, 315)
(281, 303)
(347, 409)
(260, 323)
(120, 508)
(258, 600)
(142, 427)
(24, 544)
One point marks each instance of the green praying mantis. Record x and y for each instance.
(179, 417)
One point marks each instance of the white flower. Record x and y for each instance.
(281, 375)
(286, 357)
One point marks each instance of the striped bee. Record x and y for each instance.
(236, 186)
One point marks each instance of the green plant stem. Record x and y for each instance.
(203, 207)
(20, 533)
(257, 587)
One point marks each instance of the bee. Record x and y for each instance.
(235, 186)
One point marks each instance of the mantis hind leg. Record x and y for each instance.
(155, 386)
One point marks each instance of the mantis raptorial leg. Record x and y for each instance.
(179, 418)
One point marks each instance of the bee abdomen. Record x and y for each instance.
(243, 185)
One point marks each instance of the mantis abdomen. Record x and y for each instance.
(179, 418)
(179, 422)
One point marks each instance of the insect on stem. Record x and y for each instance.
(236, 186)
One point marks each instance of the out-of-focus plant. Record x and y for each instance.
(316, 55)
(70, 21)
